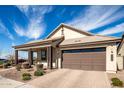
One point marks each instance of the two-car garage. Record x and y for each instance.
(85, 59)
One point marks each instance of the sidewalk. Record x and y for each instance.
(9, 83)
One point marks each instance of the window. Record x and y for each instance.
(112, 57)
(43, 55)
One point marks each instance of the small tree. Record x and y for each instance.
(11, 58)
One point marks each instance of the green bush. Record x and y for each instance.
(1, 62)
(26, 76)
(18, 67)
(39, 73)
(117, 82)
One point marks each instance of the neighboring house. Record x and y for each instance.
(68, 47)
(120, 60)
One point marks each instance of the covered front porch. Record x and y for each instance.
(45, 50)
(44, 56)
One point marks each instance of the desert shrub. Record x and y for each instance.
(39, 73)
(117, 82)
(26, 76)
(18, 67)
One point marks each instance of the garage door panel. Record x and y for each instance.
(86, 63)
(99, 67)
(72, 61)
(85, 60)
(86, 67)
(72, 66)
(72, 55)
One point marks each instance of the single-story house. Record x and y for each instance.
(72, 48)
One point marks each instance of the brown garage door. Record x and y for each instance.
(85, 59)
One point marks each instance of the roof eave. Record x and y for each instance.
(92, 43)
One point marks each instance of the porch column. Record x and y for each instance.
(39, 56)
(16, 57)
(49, 57)
(30, 57)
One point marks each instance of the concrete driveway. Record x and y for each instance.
(67, 78)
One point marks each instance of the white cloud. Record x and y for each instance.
(5, 31)
(96, 16)
(113, 30)
(34, 30)
(36, 26)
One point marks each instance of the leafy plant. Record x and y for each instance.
(117, 82)
(26, 76)
(39, 73)
(11, 59)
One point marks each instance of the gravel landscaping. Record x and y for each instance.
(119, 75)
(17, 75)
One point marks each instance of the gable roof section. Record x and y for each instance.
(69, 27)
(88, 40)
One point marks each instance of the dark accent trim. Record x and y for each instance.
(16, 57)
(49, 57)
(61, 58)
(51, 63)
(30, 57)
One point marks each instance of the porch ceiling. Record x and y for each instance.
(35, 48)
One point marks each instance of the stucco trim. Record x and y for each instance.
(69, 27)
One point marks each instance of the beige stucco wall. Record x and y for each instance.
(111, 66)
(68, 34)
(120, 62)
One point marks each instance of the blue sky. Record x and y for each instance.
(20, 24)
